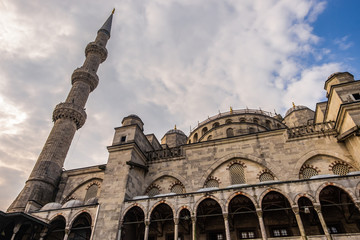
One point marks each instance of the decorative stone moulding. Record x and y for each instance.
(82, 74)
(97, 49)
(70, 111)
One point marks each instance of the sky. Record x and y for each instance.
(170, 62)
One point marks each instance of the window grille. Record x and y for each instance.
(247, 234)
(340, 169)
(91, 192)
(229, 132)
(153, 191)
(309, 172)
(212, 183)
(237, 174)
(177, 188)
(266, 176)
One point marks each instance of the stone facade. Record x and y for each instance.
(242, 174)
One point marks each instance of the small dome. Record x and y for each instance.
(133, 116)
(91, 201)
(175, 131)
(73, 203)
(51, 206)
(299, 107)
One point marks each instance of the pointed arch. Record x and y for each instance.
(326, 184)
(161, 202)
(300, 195)
(87, 181)
(207, 197)
(231, 156)
(126, 210)
(253, 200)
(264, 193)
(182, 208)
(314, 153)
(73, 218)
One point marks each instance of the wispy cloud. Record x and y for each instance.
(170, 62)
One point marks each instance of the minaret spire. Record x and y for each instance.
(68, 116)
(106, 28)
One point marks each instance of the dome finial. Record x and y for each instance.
(175, 127)
(231, 110)
(113, 11)
(293, 104)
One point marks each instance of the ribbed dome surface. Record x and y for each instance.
(51, 206)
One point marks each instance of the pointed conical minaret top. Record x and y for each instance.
(106, 28)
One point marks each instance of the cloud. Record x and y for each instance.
(170, 62)
(343, 43)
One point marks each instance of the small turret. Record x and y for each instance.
(174, 138)
(133, 119)
(337, 78)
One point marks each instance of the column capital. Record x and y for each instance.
(259, 212)
(317, 207)
(226, 215)
(176, 221)
(193, 218)
(147, 222)
(295, 209)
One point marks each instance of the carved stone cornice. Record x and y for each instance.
(70, 111)
(81, 74)
(93, 47)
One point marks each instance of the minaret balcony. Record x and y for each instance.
(84, 75)
(70, 111)
(95, 48)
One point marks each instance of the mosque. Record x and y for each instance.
(242, 174)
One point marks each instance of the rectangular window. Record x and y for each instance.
(247, 234)
(356, 96)
(216, 236)
(123, 139)
(334, 228)
(280, 232)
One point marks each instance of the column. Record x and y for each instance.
(15, 230)
(176, 228)
(146, 234)
(227, 229)
(259, 213)
(193, 221)
(299, 222)
(67, 233)
(322, 221)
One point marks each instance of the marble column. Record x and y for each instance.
(67, 233)
(299, 222)
(176, 228)
(193, 221)
(227, 228)
(146, 233)
(259, 213)
(15, 230)
(322, 221)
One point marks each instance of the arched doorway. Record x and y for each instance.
(81, 227)
(279, 219)
(339, 211)
(243, 220)
(309, 217)
(185, 228)
(133, 225)
(57, 229)
(210, 221)
(161, 223)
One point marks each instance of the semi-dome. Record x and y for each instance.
(175, 131)
(51, 206)
(295, 108)
(73, 203)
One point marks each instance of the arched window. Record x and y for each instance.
(229, 132)
(228, 121)
(340, 169)
(204, 130)
(81, 228)
(242, 120)
(195, 137)
(153, 191)
(308, 172)
(212, 183)
(209, 137)
(178, 189)
(251, 130)
(256, 120)
(216, 125)
(91, 192)
(268, 124)
(237, 174)
(266, 176)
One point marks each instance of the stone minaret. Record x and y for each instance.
(68, 116)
